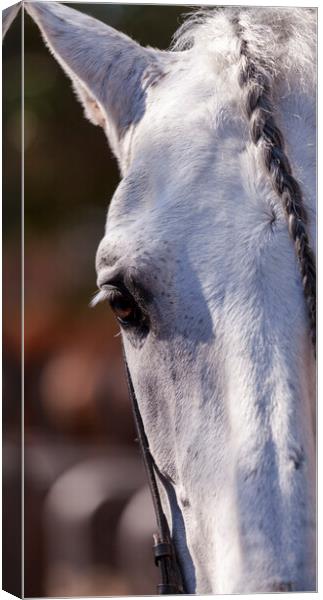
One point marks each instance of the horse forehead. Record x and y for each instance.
(158, 219)
(184, 177)
(190, 94)
(152, 234)
(140, 249)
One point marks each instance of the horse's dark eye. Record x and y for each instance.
(125, 308)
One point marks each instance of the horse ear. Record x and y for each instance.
(8, 16)
(106, 67)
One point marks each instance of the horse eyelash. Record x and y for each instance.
(99, 296)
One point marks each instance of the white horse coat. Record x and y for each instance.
(196, 239)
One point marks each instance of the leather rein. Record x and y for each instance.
(164, 549)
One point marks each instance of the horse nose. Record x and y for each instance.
(282, 586)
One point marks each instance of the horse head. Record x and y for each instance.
(207, 263)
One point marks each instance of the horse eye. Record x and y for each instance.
(125, 308)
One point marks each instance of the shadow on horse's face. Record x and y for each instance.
(198, 267)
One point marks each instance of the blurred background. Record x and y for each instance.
(88, 514)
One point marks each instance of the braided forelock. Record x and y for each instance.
(254, 80)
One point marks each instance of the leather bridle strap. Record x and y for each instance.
(164, 550)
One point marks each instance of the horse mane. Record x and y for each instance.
(284, 39)
(269, 46)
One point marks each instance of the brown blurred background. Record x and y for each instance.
(88, 515)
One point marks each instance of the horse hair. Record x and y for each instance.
(254, 80)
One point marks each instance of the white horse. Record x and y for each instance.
(216, 145)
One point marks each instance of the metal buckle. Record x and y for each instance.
(162, 550)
